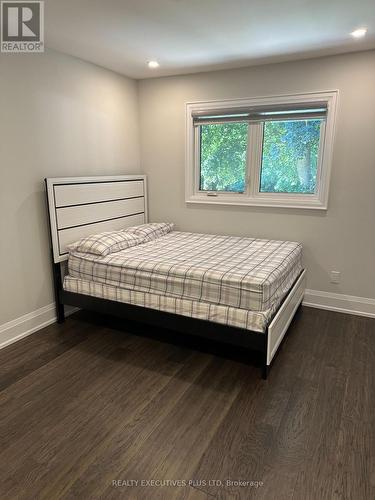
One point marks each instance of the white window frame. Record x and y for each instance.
(252, 196)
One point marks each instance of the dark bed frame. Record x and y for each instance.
(224, 334)
(231, 335)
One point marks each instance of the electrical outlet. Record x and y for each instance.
(335, 276)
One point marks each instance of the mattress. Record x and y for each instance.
(242, 273)
(230, 316)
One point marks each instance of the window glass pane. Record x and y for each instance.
(290, 156)
(223, 157)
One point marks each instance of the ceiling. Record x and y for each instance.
(188, 36)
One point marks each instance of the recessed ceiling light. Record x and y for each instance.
(153, 64)
(359, 33)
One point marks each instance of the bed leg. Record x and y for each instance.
(60, 312)
(265, 366)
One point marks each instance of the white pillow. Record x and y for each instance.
(151, 231)
(105, 243)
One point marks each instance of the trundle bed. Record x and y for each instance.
(240, 291)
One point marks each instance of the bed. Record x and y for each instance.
(241, 291)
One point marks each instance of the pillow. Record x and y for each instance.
(149, 232)
(105, 243)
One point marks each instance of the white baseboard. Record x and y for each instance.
(29, 323)
(349, 304)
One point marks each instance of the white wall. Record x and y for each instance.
(60, 116)
(343, 238)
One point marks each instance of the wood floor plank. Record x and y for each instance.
(285, 457)
(46, 390)
(353, 469)
(88, 402)
(158, 493)
(174, 447)
(71, 433)
(239, 442)
(316, 477)
(22, 358)
(95, 471)
(240, 446)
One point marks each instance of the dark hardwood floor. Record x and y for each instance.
(87, 406)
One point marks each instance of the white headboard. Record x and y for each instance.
(80, 206)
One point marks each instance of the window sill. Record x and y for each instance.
(312, 204)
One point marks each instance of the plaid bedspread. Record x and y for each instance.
(244, 273)
(256, 321)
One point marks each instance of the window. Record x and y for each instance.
(290, 155)
(223, 157)
(268, 151)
